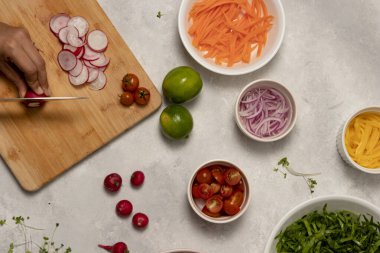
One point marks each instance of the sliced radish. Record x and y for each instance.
(73, 38)
(101, 62)
(81, 79)
(77, 70)
(75, 50)
(62, 35)
(81, 53)
(87, 63)
(58, 22)
(92, 74)
(89, 54)
(99, 82)
(67, 60)
(79, 23)
(97, 41)
(102, 69)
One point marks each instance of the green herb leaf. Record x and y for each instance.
(159, 14)
(2, 222)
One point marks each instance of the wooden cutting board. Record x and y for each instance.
(40, 144)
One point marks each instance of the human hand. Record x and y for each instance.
(21, 62)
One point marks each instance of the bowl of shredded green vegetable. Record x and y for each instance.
(336, 224)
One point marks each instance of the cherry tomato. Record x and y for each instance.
(130, 82)
(204, 176)
(240, 186)
(127, 98)
(142, 96)
(215, 187)
(226, 191)
(217, 174)
(205, 191)
(229, 208)
(208, 213)
(214, 204)
(195, 191)
(232, 176)
(236, 198)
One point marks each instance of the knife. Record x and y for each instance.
(41, 99)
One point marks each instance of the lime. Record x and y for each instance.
(176, 121)
(182, 84)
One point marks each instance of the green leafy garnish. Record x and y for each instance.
(159, 14)
(2, 222)
(325, 232)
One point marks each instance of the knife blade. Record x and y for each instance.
(41, 99)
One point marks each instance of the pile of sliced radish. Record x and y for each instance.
(82, 55)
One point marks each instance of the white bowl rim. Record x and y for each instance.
(291, 101)
(247, 193)
(181, 251)
(373, 108)
(306, 203)
(231, 71)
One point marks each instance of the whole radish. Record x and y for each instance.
(113, 182)
(124, 208)
(118, 247)
(33, 103)
(140, 220)
(137, 178)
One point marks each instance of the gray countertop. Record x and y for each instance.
(329, 60)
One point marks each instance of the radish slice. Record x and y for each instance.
(97, 40)
(87, 63)
(99, 82)
(80, 24)
(102, 69)
(89, 54)
(77, 70)
(101, 62)
(67, 60)
(93, 73)
(58, 22)
(73, 38)
(62, 35)
(81, 79)
(75, 50)
(81, 53)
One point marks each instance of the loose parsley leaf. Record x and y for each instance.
(159, 14)
(2, 222)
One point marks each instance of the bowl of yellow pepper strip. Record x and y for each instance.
(359, 140)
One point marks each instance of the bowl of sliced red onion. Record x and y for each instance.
(265, 111)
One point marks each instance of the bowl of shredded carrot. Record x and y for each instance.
(232, 37)
(358, 140)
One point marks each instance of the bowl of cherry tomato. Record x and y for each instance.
(219, 192)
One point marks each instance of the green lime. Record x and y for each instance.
(182, 84)
(176, 121)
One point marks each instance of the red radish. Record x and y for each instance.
(67, 60)
(97, 40)
(140, 220)
(80, 24)
(93, 73)
(119, 247)
(87, 63)
(75, 50)
(62, 35)
(81, 79)
(32, 103)
(90, 54)
(73, 37)
(137, 178)
(113, 182)
(101, 62)
(81, 53)
(124, 208)
(99, 82)
(58, 22)
(77, 70)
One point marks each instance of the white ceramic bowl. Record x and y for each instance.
(282, 90)
(340, 143)
(181, 251)
(275, 37)
(197, 207)
(334, 203)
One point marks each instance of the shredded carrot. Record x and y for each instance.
(229, 31)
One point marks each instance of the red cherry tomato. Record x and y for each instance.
(130, 82)
(205, 191)
(127, 98)
(140, 220)
(195, 191)
(142, 96)
(137, 178)
(208, 213)
(215, 187)
(226, 191)
(232, 176)
(217, 173)
(236, 199)
(204, 176)
(214, 204)
(240, 186)
(124, 208)
(229, 208)
(113, 182)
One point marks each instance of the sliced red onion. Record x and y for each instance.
(265, 112)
